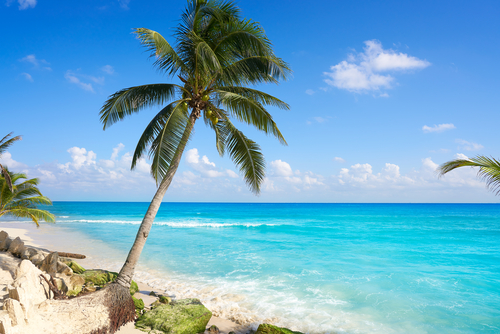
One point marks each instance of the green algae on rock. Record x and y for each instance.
(185, 316)
(77, 269)
(133, 288)
(99, 277)
(270, 329)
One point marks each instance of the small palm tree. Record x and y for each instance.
(4, 145)
(489, 170)
(22, 200)
(216, 57)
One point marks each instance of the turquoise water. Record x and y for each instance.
(319, 268)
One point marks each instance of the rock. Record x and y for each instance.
(62, 268)
(28, 253)
(16, 247)
(3, 235)
(77, 269)
(37, 259)
(270, 329)
(133, 288)
(99, 277)
(231, 332)
(213, 330)
(15, 311)
(49, 264)
(154, 304)
(89, 287)
(30, 288)
(152, 293)
(61, 284)
(5, 244)
(186, 316)
(165, 300)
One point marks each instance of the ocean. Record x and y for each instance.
(317, 268)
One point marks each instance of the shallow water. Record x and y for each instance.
(318, 268)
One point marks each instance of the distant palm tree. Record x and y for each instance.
(489, 170)
(216, 56)
(22, 200)
(4, 145)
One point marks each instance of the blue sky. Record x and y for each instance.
(381, 93)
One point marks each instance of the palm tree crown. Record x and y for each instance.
(489, 170)
(22, 201)
(216, 55)
(4, 145)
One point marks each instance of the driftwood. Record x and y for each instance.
(58, 294)
(72, 255)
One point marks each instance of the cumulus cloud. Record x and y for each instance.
(366, 71)
(6, 160)
(339, 159)
(37, 63)
(469, 146)
(205, 167)
(117, 150)
(309, 92)
(438, 128)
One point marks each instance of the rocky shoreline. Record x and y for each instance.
(37, 286)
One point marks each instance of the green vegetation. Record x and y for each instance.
(22, 200)
(270, 329)
(216, 55)
(489, 170)
(4, 145)
(186, 316)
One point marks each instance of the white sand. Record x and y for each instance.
(30, 237)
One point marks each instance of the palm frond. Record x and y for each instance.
(489, 170)
(131, 100)
(5, 173)
(167, 59)
(246, 105)
(34, 214)
(168, 136)
(5, 142)
(246, 154)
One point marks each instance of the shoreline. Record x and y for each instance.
(27, 235)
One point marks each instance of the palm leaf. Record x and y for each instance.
(167, 59)
(168, 136)
(246, 105)
(246, 154)
(489, 170)
(5, 142)
(131, 100)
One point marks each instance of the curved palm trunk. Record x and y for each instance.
(125, 276)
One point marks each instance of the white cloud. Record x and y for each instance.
(469, 146)
(280, 168)
(37, 63)
(362, 72)
(205, 167)
(438, 128)
(339, 159)
(461, 156)
(117, 150)
(25, 4)
(309, 92)
(27, 76)
(108, 69)
(6, 160)
(71, 77)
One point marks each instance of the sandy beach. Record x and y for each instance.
(34, 237)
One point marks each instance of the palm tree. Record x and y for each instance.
(489, 170)
(216, 57)
(4, 145)
(22, 200)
